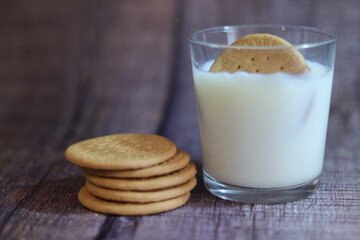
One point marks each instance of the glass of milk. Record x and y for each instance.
(263, 135)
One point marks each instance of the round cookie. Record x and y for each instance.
(121, 151)
(145, 184)
(120, 208)
(261, 60)
(176, 162)
(139, 196)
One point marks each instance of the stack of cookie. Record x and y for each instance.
(133, 174)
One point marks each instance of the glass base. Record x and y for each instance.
(259, 195)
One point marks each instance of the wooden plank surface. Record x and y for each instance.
(71, 70)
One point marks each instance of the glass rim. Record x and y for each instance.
(193, 40)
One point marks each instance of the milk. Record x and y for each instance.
(263, 131)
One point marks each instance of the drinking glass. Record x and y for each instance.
(263, 135)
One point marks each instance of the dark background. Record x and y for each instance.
(71, 70)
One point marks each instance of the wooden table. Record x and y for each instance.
(71, 70)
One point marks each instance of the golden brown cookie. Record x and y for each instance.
(121, 208)
(121, 151)
(176, 162)
(141, 196)
(286, 59)
(145, 184)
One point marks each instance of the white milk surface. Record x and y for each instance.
(263, 131)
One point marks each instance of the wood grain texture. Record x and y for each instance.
(71, 70)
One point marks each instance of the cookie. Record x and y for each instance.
(264, 61)
(176, 162)
(141, 196)
(145, 184)
(121, 151)
(120, 208)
